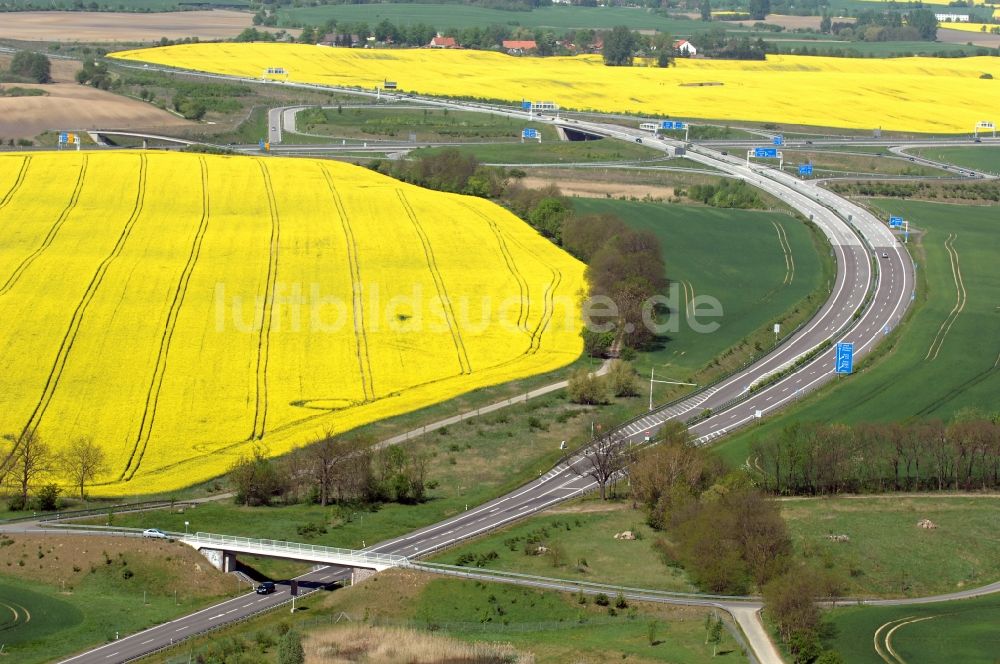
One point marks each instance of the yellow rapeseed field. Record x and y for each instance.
(970, 27)
(906, 94)
(178, 308)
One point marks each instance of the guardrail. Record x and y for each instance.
(292, 549)
(99, 511)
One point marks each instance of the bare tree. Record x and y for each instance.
(83, 461)
(30, 459)
(325, 456)
(604, 459)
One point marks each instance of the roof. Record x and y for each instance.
(446, 42)
(523, 44)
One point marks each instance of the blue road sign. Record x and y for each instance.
(529, 133)
(526, 105)
(895, 222)
(778, 140)
(666, 124)
(63, 137)
(679, 125)
(806, 169)
(765, 153)
(845, 358)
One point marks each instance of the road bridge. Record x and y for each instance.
(221, 550)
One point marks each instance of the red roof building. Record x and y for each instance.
(443, 42)
(519, 45)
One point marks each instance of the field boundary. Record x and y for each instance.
(264, 343)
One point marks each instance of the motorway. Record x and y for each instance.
(872, 267)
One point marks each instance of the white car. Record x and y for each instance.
(154, 533)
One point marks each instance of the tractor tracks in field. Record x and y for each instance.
(51, 235)
(442, 291)
(883, 638)
(360, 335)
(66, 345)
(508, 258)
(960, 299)
(160, 368)
(17, 182)
(264, 341)
(786, 249)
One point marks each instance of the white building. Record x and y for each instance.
(952, 18)
(684, 47)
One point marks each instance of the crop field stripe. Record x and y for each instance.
(66, 345)
(786, 249)
(522, 284)
(960, 297)
(26, 263)
(17, 183)
(264, 344)
(463, 358)
(160, 368)
(548, 300)
(360, 336)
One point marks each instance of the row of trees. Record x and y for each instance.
(726, 193)
(30, 464)
(332, 470)
(727, 534)
(29, 67)
(815, 458)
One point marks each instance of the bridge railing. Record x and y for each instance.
(292, 549)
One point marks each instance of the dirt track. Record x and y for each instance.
(123, 27)
(592, 189)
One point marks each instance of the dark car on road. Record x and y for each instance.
(266, 588)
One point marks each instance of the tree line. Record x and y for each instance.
(725, 532)
(816, 458)
(333, 470)
(29, 464)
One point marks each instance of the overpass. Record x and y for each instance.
(221, 550)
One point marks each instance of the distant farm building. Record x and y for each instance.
(952, 18)
(519, 46)
(684, 47)
(443, 42)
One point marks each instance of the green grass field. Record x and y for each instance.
(582, 547)
(29, 616)
(554, 151)
(869, 49)
(446, 16)
(963, 631)
(887, 554)
(400, 123)
(982, 158)
(825, 161)
(941, 362)
(51, 624)
(732, 255)
(554, 627)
